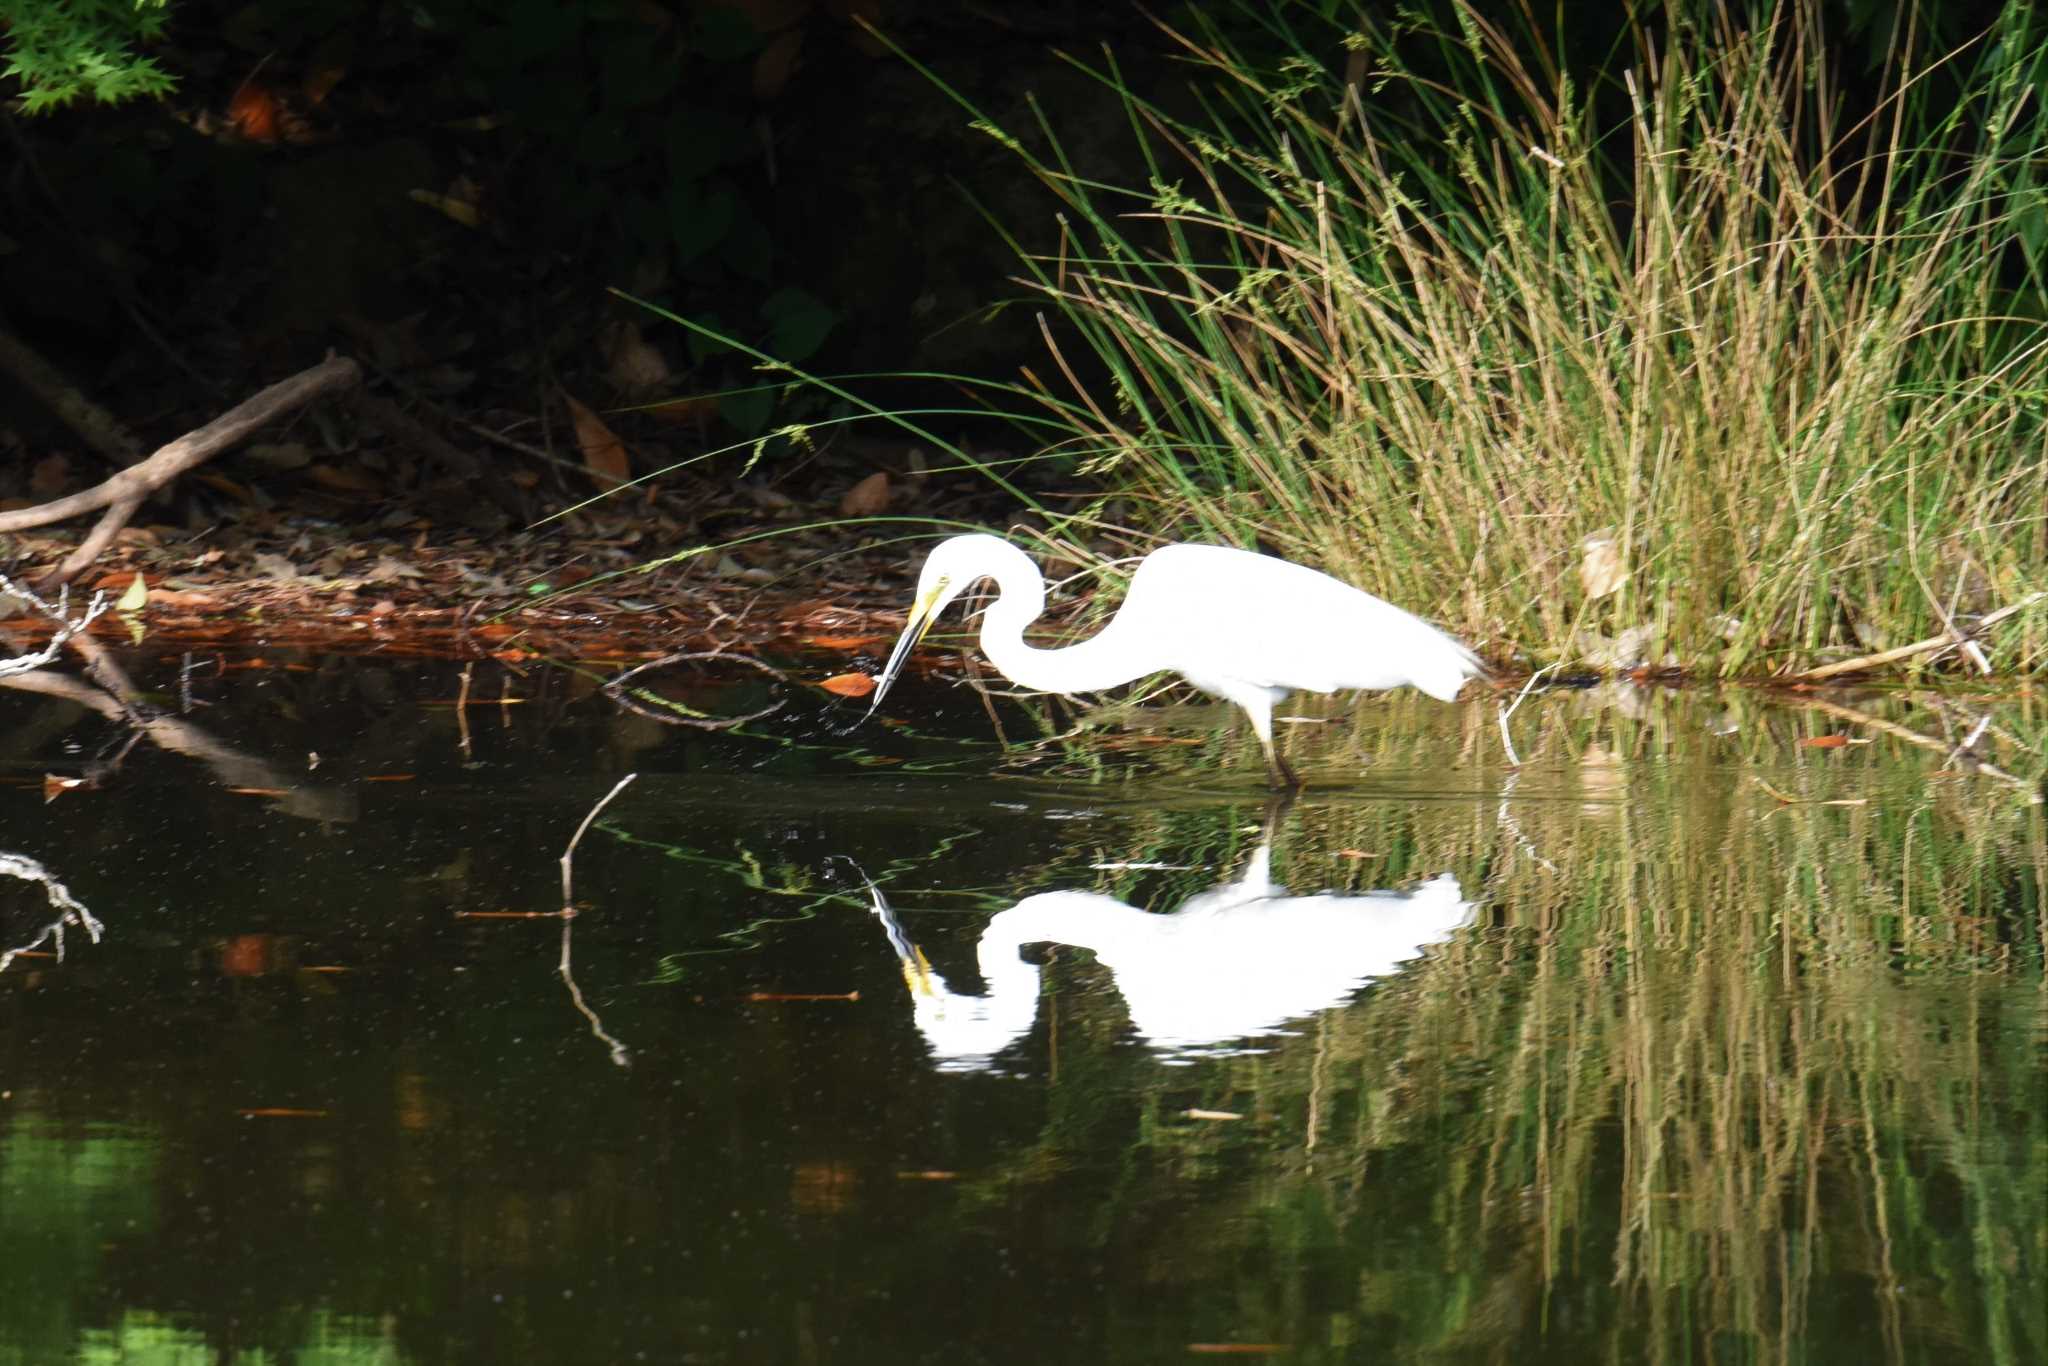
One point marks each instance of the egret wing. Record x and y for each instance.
(1220, 613)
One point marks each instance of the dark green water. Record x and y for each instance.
(1613, 1058)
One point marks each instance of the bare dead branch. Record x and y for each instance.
(124, 491)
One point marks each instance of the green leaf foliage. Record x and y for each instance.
(65, 50)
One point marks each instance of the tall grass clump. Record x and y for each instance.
(1704, 354)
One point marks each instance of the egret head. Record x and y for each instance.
(950, 568)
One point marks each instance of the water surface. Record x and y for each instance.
(1685, 1039)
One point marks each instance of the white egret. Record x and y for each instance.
(1236, 962)
(1238, 625)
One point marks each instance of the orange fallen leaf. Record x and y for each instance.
(250, 955)
(55, 786)
(869, 498)
(253, 112)
(849, 685)
(843, 642)
(345, 479)
(172, 597)
(604, 455)
(1354, 853)
(1824, 742)
(280, 1112)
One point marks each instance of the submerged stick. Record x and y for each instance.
(569, 854)
(563, 966)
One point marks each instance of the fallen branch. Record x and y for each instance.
(124, 492)
(1947, 640)
(58, 612)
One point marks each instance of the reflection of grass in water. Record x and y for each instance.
(1726, 1077)
(795, 880)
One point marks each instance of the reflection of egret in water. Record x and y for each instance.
(1236, 962)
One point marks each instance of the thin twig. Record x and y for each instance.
(563, 966)
(57, 612)
(619, 1056)
(569, 854)
(697, 656)
(1507, 741)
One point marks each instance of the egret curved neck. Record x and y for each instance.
(1102, 661)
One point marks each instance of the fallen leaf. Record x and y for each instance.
(55, 786)
(345, 479)
(250, 955)
(849, 685)
(1213, 1114)
(136, 598)
(388, 569)
(50, 477)
(214, 479)
(1824, 742)
(635, 366)
(459, 210)
(844, 642)
(171, 597)
(869, 498)
(253, 113)
(604, 455)
(277, 567)
(1601, 571)
(280, 1112)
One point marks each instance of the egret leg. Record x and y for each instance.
(1277, 770)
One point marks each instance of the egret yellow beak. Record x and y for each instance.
(922, 613)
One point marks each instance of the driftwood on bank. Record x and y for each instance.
(1948, 639)
(122, 494)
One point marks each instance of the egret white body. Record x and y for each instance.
(1236, 962)
(1241, 626)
